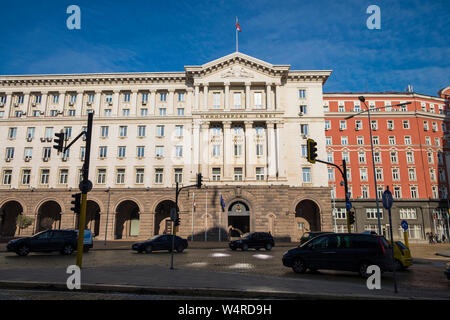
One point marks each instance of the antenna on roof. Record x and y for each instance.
(410, 89)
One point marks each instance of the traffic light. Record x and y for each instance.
(199, 180)
(59, 140)
(351, 217)
(76, 202)
(312, 150)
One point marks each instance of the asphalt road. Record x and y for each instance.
(424, 274)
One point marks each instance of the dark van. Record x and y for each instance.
(341, 251)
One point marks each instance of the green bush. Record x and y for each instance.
(24, 222)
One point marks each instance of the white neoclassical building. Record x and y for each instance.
(240, 121)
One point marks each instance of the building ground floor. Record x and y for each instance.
(286, 212)
(423, 217)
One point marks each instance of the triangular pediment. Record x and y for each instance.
(237, 66)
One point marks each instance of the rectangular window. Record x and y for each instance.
(395, 174)
(163, 96)
(414, 192)
(340, 213)
(179, 151)
(216, 150)
(26, 176)
(72, 113)
(377, 157)
(160, 131)
(123, 131)
(141, 131)
(360, 140)
(12, 133)
(306, 175)
(125, 112)
(120, 178)
(121, 151)
(237, 174)
(397, 192)
(46, 152)
(362, 157)
(260, 173)
(101, 176)
(303, 109)
(63, 175)
(159, 175)
(107, 112)
(327, 125)
(304, 129)
(216, 174)
(379, 174)
(372, 213)
(67, 132)
(139, 176)
(144, 112)
(390, 124)
(363, 174)
(365, 192)
(410, 157)
(344, 140)
(392, 140)
(342, 124)
(216, 100)
(180, 111)
(394, 158)
(412, 174)
(126, 97)
(159, 151)
(407, 140)
(330, 174)
(258, 100)
(28, 154)
(82, 153)
(237, 100)
(179, 131)
(162, 111)
(7, 175)
(10, 153)
(374, 124)
(102, 151)
(328, 141)
(178, 175)
(259, 150)
(144, 97)
(302, 93)
(358, 125)
(140, 151)
(408, 213)
(375, 140)
(180, 96)
(346, 157)
(30, 132)
(237, 150)
(55, 98)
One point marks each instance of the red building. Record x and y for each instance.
(411, 153)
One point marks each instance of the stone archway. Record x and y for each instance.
(307, 217)
(49, 216)
(238, 219)
(127, 220)
(162, 216)
(9, 212)
(92, 218)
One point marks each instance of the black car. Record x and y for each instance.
(341, 251)
(447, 272)
(160, 242)
(255, 240)
(64, 241)
(310, 235)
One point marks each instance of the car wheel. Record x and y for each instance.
(180, 248)
(67, 250)
(148, 249)
(23, 251)
(299, 266)
(363, 269)
(244, 247)
(268, 247)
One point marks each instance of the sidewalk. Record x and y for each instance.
(193, 282)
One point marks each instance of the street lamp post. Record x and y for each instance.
(363, 100)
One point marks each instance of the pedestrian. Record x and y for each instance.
(443, 238)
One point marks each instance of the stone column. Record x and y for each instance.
(227, 150)
(271, 152)
(26, 103)
(79, 103)
(269, 96)
(115, 111)
(205, 97)
(227, 96)
(277, 97)
(281, 168)
(249, 149)
(8, 104)
(134, 108)
(152, 102)
(61, 100)
(247, 96)
(204, 150)
(189, 104)
(197, 97)
(97, 102)
(43, 107)
(195, 149)
(171, 102)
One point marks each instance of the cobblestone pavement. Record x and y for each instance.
(425, 274)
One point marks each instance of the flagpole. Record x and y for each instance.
(237, 46)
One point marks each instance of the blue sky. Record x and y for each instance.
(412, 47)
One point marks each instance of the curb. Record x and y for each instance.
(191, 291)
(447, 255)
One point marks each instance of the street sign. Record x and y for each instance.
(173, 214)
(387, 199)
(348, 205)
(404, 224)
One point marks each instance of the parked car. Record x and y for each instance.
(88, 242)
(447, 272)
(255, 240)
(160, 242)
(310, 234)
(402, 256)
(64, 241)
(341, 251)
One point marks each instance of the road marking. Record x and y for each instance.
(262, 256)
(197, 264)
(241, 266)
(219, 255)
